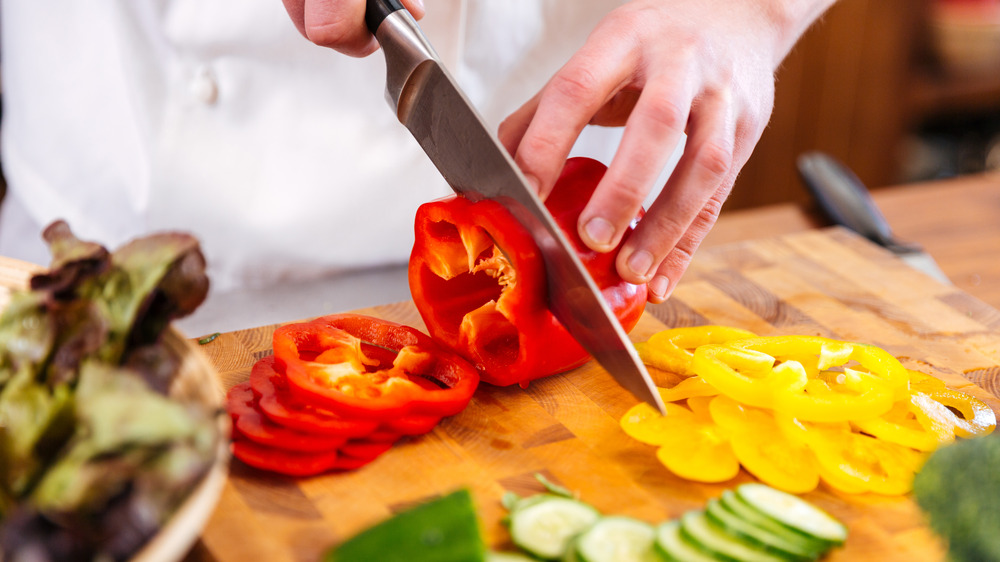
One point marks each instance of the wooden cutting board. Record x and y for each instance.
(828, 283)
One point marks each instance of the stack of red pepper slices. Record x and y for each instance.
(340, 390)
(478, 280)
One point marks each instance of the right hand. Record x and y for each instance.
(340, 24)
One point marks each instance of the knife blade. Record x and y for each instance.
(846, 201)
(475, 164)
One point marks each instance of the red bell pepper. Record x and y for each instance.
(278, 404)
(367, 368)
(249, 422)
(479, 281)
(340, 390)
(293, 463)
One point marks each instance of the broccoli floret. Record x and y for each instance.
(959, 491)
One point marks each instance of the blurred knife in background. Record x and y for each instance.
(847, 202)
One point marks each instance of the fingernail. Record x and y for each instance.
(658, 286)
(600, 231)
(640, 263)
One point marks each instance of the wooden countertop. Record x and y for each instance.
(821, 281)
(957, 221)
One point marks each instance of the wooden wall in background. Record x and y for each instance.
(842, 90)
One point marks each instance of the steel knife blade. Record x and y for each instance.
(475, 164)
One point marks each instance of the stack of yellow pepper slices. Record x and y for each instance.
(795, 410)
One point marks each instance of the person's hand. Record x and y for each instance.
(340, 24)
(662, 68)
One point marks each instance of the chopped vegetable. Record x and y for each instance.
(208, 339)
(797, 410)
(672, 350)
(793, 512)
(616, 538)
(440, 530)
(752, 522)
(479, 281)
(96, 457)
(339, 390)
(697, 529)
(368, 368)
(545, 528)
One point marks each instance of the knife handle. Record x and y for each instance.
(844, 198)
(377, 10)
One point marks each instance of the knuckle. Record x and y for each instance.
(667, 114)
(576, 84)
(680, 256)
(627, 190)
(669, 227)
(713, 207)
(714, 158)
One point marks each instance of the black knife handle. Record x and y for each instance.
(377, 10)
(844, 198)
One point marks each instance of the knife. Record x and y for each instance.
(430, 104)
(846, 200)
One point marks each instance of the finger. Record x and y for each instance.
(652, 132)
(296, 10)
(664, 281)
(566, 104)
(513, 127)
(339, 24)
(706, 163)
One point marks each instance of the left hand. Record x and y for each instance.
(662, 69)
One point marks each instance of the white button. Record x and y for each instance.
(203, 86)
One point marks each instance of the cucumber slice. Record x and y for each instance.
(532, 500)
(777, 544)
(617, 539)
(696, 528)
(545, 527)
(571, 555)
(793, 512)
(672, 546)
(732, 503)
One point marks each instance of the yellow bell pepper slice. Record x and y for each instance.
(644, 423)
(690, 387)
(699, 451)
(763, 449)
(690, 445)
(672, 350)
(853, 462)
(936, 411)
(900, 425)
(770, 372)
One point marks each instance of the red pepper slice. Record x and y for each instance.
(369, 368)
(292, 463)
(278, 403)
(280, 406)
(362, 449)
(479, 281)
(250, 423)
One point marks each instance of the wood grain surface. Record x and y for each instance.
(824, 282)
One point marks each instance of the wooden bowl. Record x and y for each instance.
(196, 381)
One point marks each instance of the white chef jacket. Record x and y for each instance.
(217, 118)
